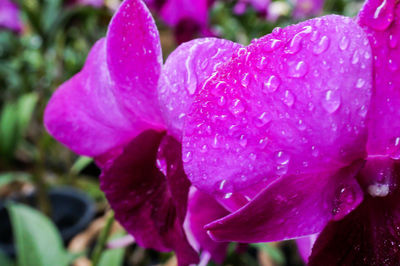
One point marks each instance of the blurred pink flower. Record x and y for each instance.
(10, 16)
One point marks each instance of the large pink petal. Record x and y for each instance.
(203, 209)
(305, 245)
(292, 102)
(186, 67)
(10, 16)
(134, 59)
(381, 22)
(83, 113)
(292, 207)
(144, 200)
(370, 235)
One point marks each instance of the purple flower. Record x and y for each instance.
(298, 133)
(10, 16)
(188, 18)
(307, 8)
(261, 6)
(127, 110)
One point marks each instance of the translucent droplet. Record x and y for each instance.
(215, 142)
(204, 64)
(301, 125)
(295, 44)
(314, 151)
(243, 141)
(360, 83)
(393, 41)
(343, 202)
(245, 80)
(393, 65)
(344, 43)
(204, 148)
(322, 45)
(261, 63)
(356, 58)
(298, 70)
(187, 157)
(236, 107)
(331, 102)
(272, 84)
(222, 185)
(221, 101)
(383, 15)
(363, 111)
(282, 158)
(288, 98)
(263, 119)
(272, 44)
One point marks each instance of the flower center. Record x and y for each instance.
(380, 176)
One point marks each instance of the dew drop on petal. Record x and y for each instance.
(282, 158)
(331, 101)
(187, 157)
(243, 141)
(298, 70)
(263, 119)
(288, 98)
(343, 201)
(393, 41)
(344, 43)
(322, 45)
(271, 84)
(236, 107)
(360, 83)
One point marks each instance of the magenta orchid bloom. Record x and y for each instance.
(307, 8)
(10, 16)
(92, 3)
(299, 134)
(187, 17)
(261, 6)
(127, 110)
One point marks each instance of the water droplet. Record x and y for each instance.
(245, 80)
(301, 125)
(236, 107)
(295, 44)
(288, 98)
(360, 83)
(204, 148)
(243, 141)
(272, 84)
(355, 58)
(272, 44)
(281, 170)
(221, 101)
(222, 185)
(310, 106)
(298, 70)
(363, 111)
(261, 63)
(344, 200)
(263, 119)
(393, 41)
(282, 158)
(314, 151)
(331, 102)
(344, 43)
(393, 65)
(252, 156)
(228, 195)
(187, 157)
(204, 64)
(241, 51)
(322, 45)
(383, 15)
(263, 142)
(215, 142)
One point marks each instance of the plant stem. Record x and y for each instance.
(102, 240)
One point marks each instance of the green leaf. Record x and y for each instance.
(8, 129)
(26, 106)
(275, 253)
(6, 178)
(37, 239)
(4, 260)
(112, 257)
(80, 164)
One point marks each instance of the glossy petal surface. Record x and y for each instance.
(203, 209)
(293, 207)
(83, 113)
(370, 235)
(134, 59)
(291, 102)
(185, 69)
(381, 21)
(305, 245)
(142, 198)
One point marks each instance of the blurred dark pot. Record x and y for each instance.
(72, 211)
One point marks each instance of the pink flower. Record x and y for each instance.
(126, 110)
(298, 133)
(10, 16)
(93, 3)
(188, 18)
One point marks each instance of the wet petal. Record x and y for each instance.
(370, 235)
(292, 207)
(381, 21)
(203, 209)
(134, 59)
(186, 67)
(142, 200)
(83, 113)
(289, 103)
